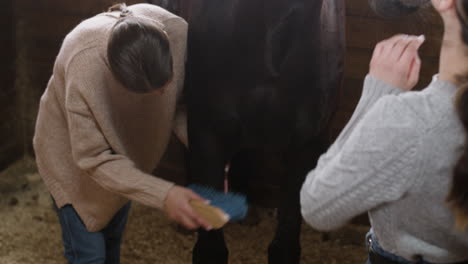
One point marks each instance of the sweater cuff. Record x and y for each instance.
(375, 88)
(156, 193)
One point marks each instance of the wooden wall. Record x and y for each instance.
(40, 26)
(363, 31)
(10, 146)
(32, 34)
(35, 30)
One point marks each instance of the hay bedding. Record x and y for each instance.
(29, 232)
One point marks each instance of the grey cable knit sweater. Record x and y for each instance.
(394, 159)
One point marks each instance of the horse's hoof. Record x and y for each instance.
(283, 253)
(210, 254)
(210, 259)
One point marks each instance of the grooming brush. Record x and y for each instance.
(223, 207)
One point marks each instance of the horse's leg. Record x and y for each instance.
(285, 247)
(210, 248)
(206, 167)
(208, 154)
(242, 170)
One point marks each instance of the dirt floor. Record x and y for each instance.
(30, 233)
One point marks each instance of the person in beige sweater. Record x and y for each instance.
(104, 122)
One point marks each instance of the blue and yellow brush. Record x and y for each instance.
(223, 207)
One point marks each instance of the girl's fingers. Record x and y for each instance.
(390, 50)
(203, 223)
(412, 50)
(409, 63)
(187, 222)
(389, 44)
(396, 61)
(402, 46)
(413, 77)
(378, 50)
(192, 220)
(189, 212)
(193, 196)
(199, 220)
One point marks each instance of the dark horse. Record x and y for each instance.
(262, 79)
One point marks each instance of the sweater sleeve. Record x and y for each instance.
(372, 91)
(92, 153)
(372, 162)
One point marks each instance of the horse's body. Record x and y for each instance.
(262, 77)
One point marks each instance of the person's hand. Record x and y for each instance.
(396, 61)
(178, 208)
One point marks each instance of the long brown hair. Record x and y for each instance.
(139, 53)
(458, 196)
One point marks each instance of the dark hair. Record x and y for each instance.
(458, 196)
(139, 53)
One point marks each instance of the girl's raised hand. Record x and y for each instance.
(396, 61)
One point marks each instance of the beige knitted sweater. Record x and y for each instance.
(95, 142)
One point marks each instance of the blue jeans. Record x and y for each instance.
(372, 244)
(84, 247)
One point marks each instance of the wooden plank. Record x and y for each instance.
(7, 77)
(7, 95)
(9, 128)
(7, 53)
(357, 64)
(68, 7)
(361, 8)
(365, 33)
(44, 52)
(10, 145)
(34, 25)
(10, 151)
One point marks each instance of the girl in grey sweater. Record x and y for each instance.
(403, 155)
